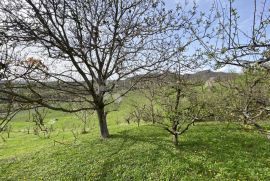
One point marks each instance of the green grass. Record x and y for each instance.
(207, 151)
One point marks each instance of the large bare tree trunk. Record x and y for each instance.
(104, 133)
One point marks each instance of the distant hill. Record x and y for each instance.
(208, 74)
(201, 76)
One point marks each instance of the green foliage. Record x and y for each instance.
(223, 50)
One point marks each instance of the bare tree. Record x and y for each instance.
(145, 109)
(247, 97)
(87, 47)
(173, 101)
(150, 92)
(245, 46)
(39, 116)
(181, 106)
(84, 117)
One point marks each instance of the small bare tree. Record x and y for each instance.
(150, 92)
(39, 116)
(84, 117)
(247, 96)
(181, 106)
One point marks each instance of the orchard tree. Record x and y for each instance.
(77, 51)
(181, 104)
(246, 46)
(173, 100)
(247, 96)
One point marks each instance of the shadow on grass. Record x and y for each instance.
(198, 151)
(147, 153)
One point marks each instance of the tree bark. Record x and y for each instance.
(175, 139)
(175, 135)
(152, 113)
(104, 133)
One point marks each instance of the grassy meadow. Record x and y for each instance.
(208, 151)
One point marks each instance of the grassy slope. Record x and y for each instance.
(146, 153)
(20, 142)
(208, 150)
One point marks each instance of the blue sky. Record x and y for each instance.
(244, 8)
